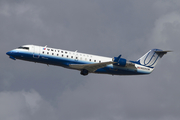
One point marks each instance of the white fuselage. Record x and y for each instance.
(65, 58)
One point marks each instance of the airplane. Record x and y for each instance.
(88, 63)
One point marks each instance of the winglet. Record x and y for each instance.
(116, 59)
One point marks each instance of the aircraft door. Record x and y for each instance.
(76, 56)
(36, 52)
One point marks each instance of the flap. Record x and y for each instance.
(90, 67)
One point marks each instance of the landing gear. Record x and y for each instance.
(84, 72)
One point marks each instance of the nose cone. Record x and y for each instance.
(8, 53)
(12, 52)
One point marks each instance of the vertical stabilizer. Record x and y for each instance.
(151, 58)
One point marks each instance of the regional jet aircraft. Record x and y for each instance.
(88, 63)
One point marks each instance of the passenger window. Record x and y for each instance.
(71, 56)
(62, 55)
(51, 49)
(61, 51)
(76, 57)
(94, 60)
(89, 59)
(48, 49)
(66, 52)
(99, 61)
(67, 56)
(57, 54)
(52, 53)
(43, 52)
(47, 52)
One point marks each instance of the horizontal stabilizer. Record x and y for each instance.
(161, 53)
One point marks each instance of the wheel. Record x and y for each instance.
(84, 72)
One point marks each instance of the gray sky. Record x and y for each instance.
(109, 28)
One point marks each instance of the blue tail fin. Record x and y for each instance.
(151, 58)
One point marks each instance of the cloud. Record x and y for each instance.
(166, 29)
(163, 7)
(36, 91)
(22, 105)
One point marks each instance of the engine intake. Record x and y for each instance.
(120, 61)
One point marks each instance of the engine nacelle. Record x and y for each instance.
(120, 61)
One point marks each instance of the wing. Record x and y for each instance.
(90, 67)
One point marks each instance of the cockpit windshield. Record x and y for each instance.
(27, 48)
